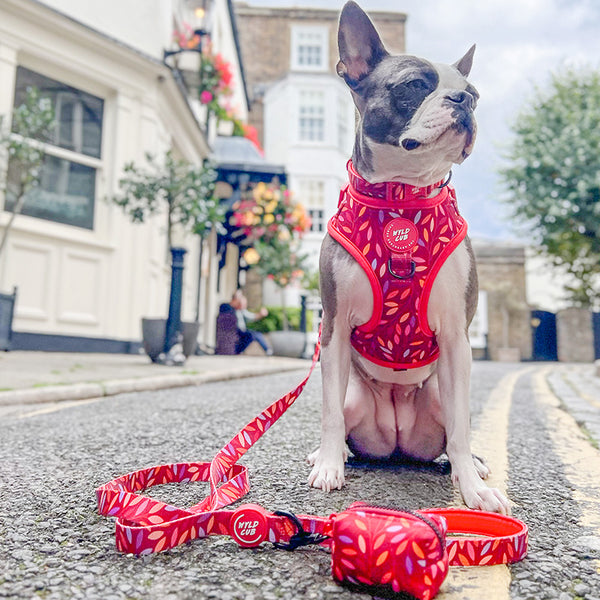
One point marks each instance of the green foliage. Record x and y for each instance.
(33, 122)
(553, 179)
(22, 147)
(274, 321)
(280, 260)
(184, 190)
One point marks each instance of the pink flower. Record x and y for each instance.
(206, 97)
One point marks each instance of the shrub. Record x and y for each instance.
(274, 320)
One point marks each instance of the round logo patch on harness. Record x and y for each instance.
(400, 235)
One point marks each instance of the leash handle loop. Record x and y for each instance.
(501, 540)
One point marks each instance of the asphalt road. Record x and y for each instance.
(54, 545)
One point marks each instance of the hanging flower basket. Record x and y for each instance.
(268, 213)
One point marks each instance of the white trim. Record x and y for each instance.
(321, 33)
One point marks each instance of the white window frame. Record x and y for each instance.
(317, 220)
(77, 156)
(316, 111)
(299, 32)
(311, 194)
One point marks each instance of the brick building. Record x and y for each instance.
(503, 303)
(301, 108)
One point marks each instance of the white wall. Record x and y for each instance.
(142, 24)
(325, 160)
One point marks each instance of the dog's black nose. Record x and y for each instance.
(461, 98)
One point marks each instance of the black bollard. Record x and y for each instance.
(303, 313)
(173, 327)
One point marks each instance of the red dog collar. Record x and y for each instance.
(145, 525)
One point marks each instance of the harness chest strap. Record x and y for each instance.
(145, 525)
(401, 237)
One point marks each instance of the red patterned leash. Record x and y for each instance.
(145, 525)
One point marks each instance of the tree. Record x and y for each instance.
(273, 223)
(186, 193)
(281, 262)
(553, 179)
(23, 152)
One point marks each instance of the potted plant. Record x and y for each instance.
(273, 223)
(185, 193)
(21, 164)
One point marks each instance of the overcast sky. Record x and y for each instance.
(519, 42)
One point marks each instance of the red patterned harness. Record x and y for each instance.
(401, 237)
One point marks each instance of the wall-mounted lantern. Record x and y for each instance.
(197, 13)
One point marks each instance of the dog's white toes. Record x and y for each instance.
(311, 459)
(482, 469)
(488, 499)
(326, 478)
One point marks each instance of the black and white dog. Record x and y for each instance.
(416, 120)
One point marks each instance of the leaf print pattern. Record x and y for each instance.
(397, 550)
(383, 549)
(359, 225)
(504, 540)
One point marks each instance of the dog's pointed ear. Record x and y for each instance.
(359, 44)
(463, 66)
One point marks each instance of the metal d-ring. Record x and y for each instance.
(413, 268)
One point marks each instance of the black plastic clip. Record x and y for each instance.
(301, 537)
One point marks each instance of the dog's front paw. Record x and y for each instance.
(326, 474)
(488, 499)
(311, 459)
(478, 496)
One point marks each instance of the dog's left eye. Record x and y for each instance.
(410, 94)
(418, 85)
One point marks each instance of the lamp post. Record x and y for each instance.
(198, 16)
(173, 327)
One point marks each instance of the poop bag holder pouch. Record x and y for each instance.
(388, 548)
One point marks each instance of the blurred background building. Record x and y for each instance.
(86, 275)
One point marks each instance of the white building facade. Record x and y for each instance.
(309, 125)
(82, 269)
